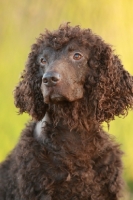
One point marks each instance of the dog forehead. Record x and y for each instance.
(48, 50)
(71, 46)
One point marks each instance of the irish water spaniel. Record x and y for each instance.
(72, 83)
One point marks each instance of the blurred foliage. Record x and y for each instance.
(22, 21)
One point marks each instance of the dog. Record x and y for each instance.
(72, 83)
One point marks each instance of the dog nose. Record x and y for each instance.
(51, 78)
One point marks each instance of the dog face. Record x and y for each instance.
(74, 66)
(63, 73)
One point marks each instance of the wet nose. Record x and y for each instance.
(51, 78)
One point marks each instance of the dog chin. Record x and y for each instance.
(54, 98)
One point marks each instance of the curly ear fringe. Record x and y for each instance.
(113, 90)
(29, 102)
(28, 96)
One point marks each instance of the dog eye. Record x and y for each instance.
(43, 61)
(77, 56)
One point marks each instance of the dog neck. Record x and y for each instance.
(48, 126)
(40, 125)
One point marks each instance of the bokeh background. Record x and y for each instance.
(22, 21)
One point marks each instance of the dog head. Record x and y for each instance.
(74, 65)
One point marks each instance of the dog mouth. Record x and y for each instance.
(57, 95)
(52, 96)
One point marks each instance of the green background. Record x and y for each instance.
(22, 21)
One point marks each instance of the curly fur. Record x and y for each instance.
(72, 157)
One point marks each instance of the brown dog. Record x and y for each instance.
(71, 84)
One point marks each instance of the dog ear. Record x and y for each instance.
(28, 96)
(110, 85)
